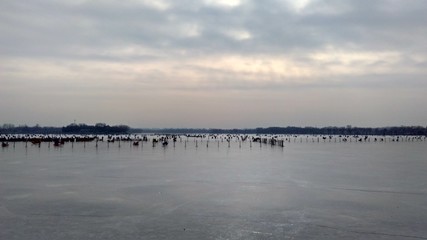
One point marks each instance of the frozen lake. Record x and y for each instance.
(302, 191)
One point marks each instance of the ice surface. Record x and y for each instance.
(302, 191)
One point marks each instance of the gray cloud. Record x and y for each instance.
(91, 50)
(45, 27)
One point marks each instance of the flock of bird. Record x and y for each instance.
(135, 139)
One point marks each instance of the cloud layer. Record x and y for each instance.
(214, 63)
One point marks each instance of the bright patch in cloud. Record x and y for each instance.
(157, 4)
(299, 5)
(252, 67)
(224, 3)
(239, 35)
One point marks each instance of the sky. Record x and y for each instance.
(214, 63)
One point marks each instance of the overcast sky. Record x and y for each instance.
(214, 63)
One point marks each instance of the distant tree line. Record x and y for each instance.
(102, 128)
(24, 129)
(403, 130)
(99, 128)
(171, 130)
